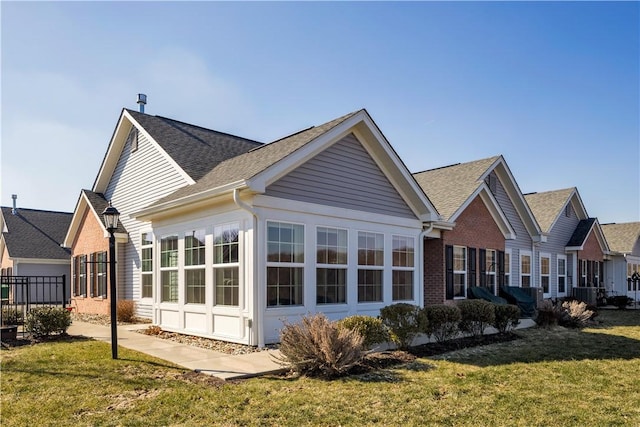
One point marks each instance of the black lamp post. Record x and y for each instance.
(111, 216)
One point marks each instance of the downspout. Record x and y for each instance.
(257, 313)
(421, 271)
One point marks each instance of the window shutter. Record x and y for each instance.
(471, 281)
(482, 260)
(500, 268)
(449, 271)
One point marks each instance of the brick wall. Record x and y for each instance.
(592, 250)
(90, 239)
(474, 228)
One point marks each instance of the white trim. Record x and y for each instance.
(492, 206)
(523, 253)
(558, 275)
(508, 252)
(546, 255)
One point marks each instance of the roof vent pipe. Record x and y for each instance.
(142, 101)
(15, 209)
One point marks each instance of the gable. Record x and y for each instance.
(345, 176)
(476, 216)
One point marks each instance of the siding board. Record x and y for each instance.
(344, 176)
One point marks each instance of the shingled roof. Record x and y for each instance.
(195, 149)
(36, 234)
(546, 206)
(99, 203)
(581, 232)
(449, 187)
(622, 237)
(248, 165)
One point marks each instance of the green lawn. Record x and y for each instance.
(549, 378)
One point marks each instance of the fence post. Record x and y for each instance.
(64, 291)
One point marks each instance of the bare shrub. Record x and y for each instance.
(575, 314)
(547, 315)
(318, 347)
(152, 330)
(125, 311)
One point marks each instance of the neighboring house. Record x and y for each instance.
(574, 254)
(227, 237)
(624, 244)
(31, 246)
(491, 243)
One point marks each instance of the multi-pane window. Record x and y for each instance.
(225, 264)
(562, 274)
(169, 269)
(545, 266)
(491, 264)
(82, 276)
(459, 272)
(370, 266)
(99, 274)
(596, 274)
(285, 264)
(194, 267)
(583, 272)
(525, 270)
(147, 265)
(403, 266)
(507, 267)
(631, 270)
(331, 269)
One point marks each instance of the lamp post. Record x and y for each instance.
(111, 216)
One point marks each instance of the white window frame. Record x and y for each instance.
(596, 274)
(144, 273)
(460, 273)
(563, 275)
(491, 265)
(342, 266)
(396, 264)
(583, 273)
(170, 268)
(191, 267)
(524, 254)
(507, 267)
(298, 264)
(227, 264)
(542, 275)
(370, 267)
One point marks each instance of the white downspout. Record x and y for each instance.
(421, 271)
(257, 309)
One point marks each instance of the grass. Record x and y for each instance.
(558, 377)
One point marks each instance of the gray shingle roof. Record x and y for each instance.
(248, 165)
(449, 187)
(196, 150)
(622, 237)
(546, 206)
(581, 232)
(35, 233)
(99, 204)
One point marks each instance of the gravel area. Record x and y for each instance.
(208, 343)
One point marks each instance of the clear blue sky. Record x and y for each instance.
(552, 86)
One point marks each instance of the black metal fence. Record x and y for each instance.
(22, 293)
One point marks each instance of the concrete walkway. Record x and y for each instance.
(211, 362)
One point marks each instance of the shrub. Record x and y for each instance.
(11, 316)
(547, 314)
(44, 321)
(442, 321)
(575, 314)
(404, 321)
(476, 315)
(371, 328)
(620, 301)
(152, 330)
(507, 317)
(318, 347)
(125, 311)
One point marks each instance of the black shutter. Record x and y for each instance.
(500, 268)
(482, 261)
(449, 271)
(471, 280)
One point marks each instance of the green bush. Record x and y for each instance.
(44, 321)
(507, 317)
(476, 316)
(11, 316)
(318, 347)
(442, 321)
(404, 321)
(371, 328)
(620, 301)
